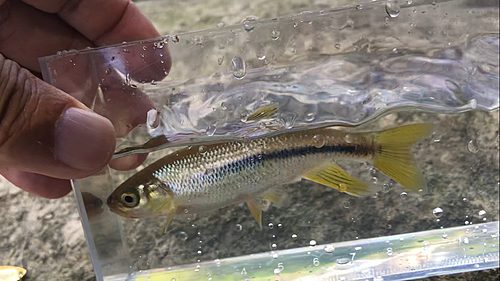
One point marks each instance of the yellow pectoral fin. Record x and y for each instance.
(333, 176)
(265, 112)
(255, 206)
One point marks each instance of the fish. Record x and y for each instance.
(208, 177)
(11, 273)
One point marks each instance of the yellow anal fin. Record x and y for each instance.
(394, 158)
(265, 112)
(333, 176)
(170, 218)
(255, 206)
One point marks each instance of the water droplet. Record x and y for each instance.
(183, 235)
(310, 117)
(337, 46)
(274, 246)
(316, 261)
(275, 34)
(374, 180)
(318, 141)
(346, 203)
(359, 7)
(465, 240)
(386, 188)
(239, 68)
(472, 146)
(482, 212)
(250, 22)
(287, 119)
(275, 256)
(239, 227)
(279, 224)
(312, 243)
(404, 195)
(465, 199)
(202, 149)
(373, 172)
(329, 249)
(199, 252)
(401, 239)
(444, 235)
(211, 130)
(294, 236)
(270, 225)
(186, 211)
(392, 8)
(220, 60)
(438, 212)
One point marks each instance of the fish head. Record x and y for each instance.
(134, 199)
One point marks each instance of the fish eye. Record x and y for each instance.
(130, 199)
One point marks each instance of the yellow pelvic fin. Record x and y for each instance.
(394, 158)
(255, 206)
(170, 218)
(265, 112)
(333, 176)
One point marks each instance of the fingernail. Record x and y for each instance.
(84, 140)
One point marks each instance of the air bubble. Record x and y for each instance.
(288, 119)
(392, 8)
(275, 255)
(386, 188)
(312, 243)
(270, 225)
(275, 35)
(337, 46)
(444, 235)
(183, 235)
(465, 240)
(249, 23)
(310, 116)
(472, 146)
(359, 7)
(346, 203)
(239, 227)
(438, 212)
(318, 141)
(294, 236)
(239, 69)
(482, 212)
(374, 180)
(404, 195)
(220, 60)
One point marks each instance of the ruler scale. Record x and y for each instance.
(399, 257)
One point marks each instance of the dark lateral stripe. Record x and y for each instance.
(237, 166)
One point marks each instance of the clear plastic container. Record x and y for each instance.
(368, 67)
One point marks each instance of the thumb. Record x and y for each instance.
(46, 131)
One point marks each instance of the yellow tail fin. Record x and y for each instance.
(394, 158)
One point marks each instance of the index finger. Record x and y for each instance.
(103, 22)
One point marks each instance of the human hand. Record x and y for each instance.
(46, 135)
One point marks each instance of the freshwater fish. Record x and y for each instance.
(203, 178)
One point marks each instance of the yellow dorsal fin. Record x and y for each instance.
(255, 206)
(394, 158)
(333, 176)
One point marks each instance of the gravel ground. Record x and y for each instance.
(46, 235)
